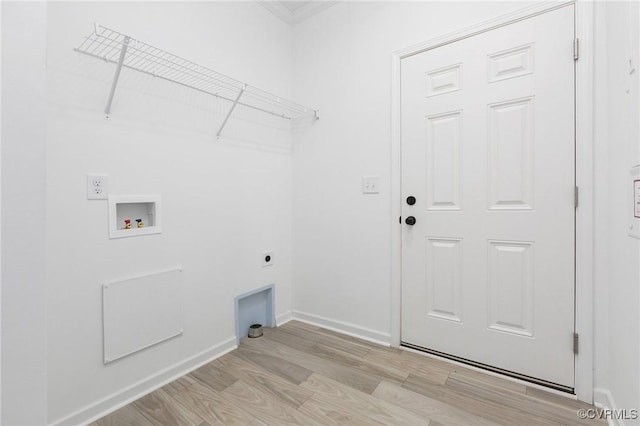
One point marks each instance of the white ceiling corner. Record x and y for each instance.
(292, 12)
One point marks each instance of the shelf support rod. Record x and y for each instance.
(224, 123)
(123, 52)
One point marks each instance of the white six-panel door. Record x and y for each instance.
(488, 152)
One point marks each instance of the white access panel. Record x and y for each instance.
(140, 312)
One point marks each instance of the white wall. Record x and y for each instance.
(0, 219)
(23, 214)
(227, 201)
(618, 260)
(342, 238)
(224, 202)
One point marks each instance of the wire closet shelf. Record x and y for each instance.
(127, 52)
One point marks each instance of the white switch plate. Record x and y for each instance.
(370, 184)
(267, 258)
(97, 187)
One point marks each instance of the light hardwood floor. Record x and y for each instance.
(304, 375)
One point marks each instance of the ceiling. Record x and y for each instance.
(294, 5)
(292, 12)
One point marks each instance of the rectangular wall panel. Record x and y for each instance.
(511, 280)
(140, 312)
(444, 80)
(511, 155)
(443, 141)
(444, 278)
(510, 63)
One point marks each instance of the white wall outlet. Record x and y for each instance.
(370, 184)
(267, 258)
(97, 187)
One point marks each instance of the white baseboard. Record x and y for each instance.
(603, 398)
(344, 328)
(284, 318)
(119, 399)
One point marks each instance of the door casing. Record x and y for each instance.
(584, 176)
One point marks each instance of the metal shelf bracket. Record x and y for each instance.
(116, 76)
(224, 123)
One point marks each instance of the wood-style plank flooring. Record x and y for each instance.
(299, 374)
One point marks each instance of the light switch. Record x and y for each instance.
(370, 184)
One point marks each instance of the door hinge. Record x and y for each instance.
(576, 343)
(576, 49)
(576, 197)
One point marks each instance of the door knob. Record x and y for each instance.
(410, 220)
(411, 200)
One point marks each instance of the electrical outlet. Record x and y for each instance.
(97, 187)
(267, 258)
(370, 184)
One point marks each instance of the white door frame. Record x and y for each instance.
(584, 176)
